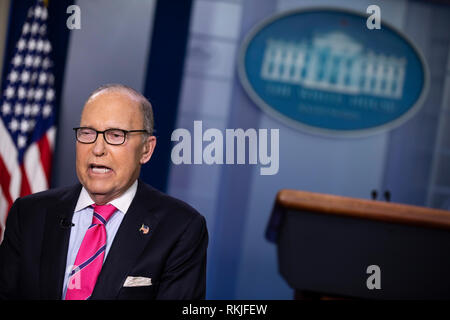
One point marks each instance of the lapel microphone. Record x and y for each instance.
(65, 223)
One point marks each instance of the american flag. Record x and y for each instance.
(27, 126)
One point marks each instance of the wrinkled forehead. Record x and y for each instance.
(112, 106)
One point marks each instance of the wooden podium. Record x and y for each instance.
(326, 243)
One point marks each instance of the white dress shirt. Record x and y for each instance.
(82, 219)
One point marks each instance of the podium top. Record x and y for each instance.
(365, 209)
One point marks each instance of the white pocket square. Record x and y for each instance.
(137, 282)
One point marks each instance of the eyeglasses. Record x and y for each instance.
(112, 136)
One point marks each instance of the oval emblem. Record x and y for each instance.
(323, 70)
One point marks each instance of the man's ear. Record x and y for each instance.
(149, 147)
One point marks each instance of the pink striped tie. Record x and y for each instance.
(89, 260)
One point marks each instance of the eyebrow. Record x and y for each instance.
(108, 128)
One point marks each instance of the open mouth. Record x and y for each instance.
(99, 169)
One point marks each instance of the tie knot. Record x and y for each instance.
(102, 213)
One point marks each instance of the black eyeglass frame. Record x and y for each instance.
(104, 136)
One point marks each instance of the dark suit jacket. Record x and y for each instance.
(173, 253)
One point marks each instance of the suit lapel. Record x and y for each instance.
(128, 244)
(55, 244)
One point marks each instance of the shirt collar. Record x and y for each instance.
(122, 203)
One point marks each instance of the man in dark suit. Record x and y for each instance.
(112, 236)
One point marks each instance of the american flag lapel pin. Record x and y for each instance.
(144, 229)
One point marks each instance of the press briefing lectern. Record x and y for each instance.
(326, 243)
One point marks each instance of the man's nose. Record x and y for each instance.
(99, 145)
